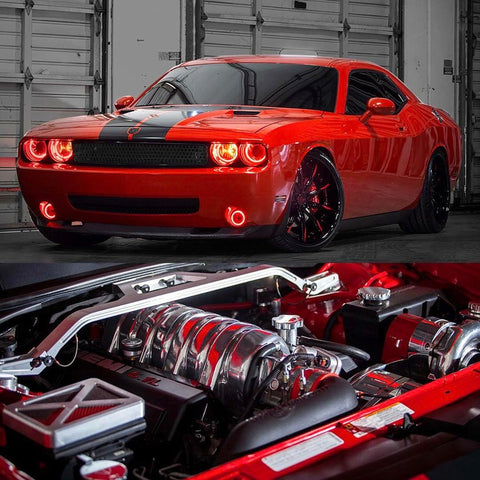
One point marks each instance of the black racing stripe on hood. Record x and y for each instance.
(148, 123)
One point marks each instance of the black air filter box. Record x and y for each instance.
(366, 325)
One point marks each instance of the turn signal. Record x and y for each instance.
(35, 150)
(47, 210)
(253, 154)
(235, 217)
(224, 154)
(60, 150)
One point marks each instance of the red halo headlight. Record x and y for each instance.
(253, 154)
(60, 150)
(224, 154)
(35, 150)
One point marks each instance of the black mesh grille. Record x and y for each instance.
(135, 205)
(140, 155)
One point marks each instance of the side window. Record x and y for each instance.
(391, 91)
(362, 86)
(366, 84)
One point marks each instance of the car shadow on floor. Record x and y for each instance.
(347, 246)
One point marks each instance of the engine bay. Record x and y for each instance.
(167, 372)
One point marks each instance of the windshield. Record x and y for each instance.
(261, 84)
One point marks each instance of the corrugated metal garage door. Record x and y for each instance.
(50, 67)
(364, 29)
(473, 170)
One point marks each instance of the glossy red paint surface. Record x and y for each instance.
(398, 336)
(381, 162)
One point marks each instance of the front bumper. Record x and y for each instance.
(149, 232)
(262, 193)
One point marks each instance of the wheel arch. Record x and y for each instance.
(322, 149)
(440, 154)
(283, 238)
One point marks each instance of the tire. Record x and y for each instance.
(68, 238)
(315, 207)
(431, 213)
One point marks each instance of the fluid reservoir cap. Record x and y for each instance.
(131, 347)
(474, 309)
(287, 322)
(103, 470)
(373, 295)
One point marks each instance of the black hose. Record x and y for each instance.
(335, 347)
(327, 333)
(255, 364)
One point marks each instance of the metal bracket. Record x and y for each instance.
(99, 10)
(28, 78)
(41, 356)
(97, 80)
(260, 20)
(322, 283)
(346, 27)
(29, 4)
(98, 7)
(203, 17)
(397, 31)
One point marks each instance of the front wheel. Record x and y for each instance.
(431, 213)
(315, 207)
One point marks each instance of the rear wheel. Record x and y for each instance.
(431, 213)
(315, 207)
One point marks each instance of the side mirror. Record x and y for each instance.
(123, 102)
(378, 106)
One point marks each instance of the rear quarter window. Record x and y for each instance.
(366, 84)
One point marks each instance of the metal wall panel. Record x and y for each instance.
(10, 40)
(61, 44)
(144, 43)
(9, 118)
(365, 46)
(58, 101)
(349, 28)
(50, 67)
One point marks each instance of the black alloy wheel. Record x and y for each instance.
(431, 213)
(315, 207)
(439, 193)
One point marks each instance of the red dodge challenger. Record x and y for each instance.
(289, 148)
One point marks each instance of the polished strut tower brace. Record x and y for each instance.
(44, 354)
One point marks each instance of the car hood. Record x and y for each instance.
(196, 122)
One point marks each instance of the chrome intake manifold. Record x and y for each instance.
(230, 357)
(215, 351)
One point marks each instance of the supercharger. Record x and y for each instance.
(229, 357)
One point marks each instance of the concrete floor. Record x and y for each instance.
(459, 242)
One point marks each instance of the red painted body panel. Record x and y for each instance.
(381, 163)
(217, 188)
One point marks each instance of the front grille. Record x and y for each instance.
(140, 155)
(159, 206)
